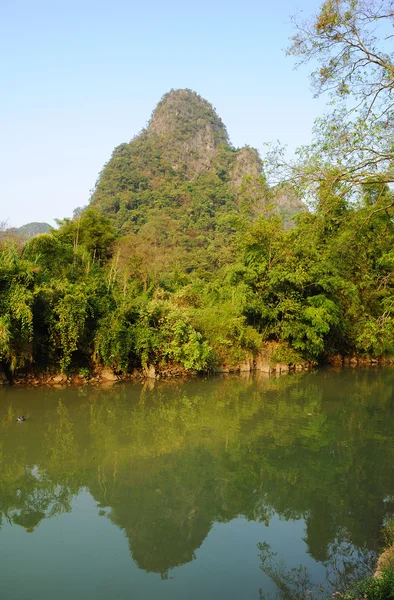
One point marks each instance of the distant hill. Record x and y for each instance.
(29, 230)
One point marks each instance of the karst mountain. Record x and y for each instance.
(183, 172)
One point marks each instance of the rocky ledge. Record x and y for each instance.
(385, 561)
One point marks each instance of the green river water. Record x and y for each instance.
(225, 488)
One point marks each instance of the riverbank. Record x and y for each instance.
(99, 376)
(272, 360)
(381, 585)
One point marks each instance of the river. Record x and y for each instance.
(223, 488)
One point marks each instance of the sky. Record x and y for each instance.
(79, 77)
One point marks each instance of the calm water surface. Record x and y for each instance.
(226, 488)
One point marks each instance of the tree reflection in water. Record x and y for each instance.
(171, 459)
(344, 566)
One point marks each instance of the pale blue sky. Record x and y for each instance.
(77, 78)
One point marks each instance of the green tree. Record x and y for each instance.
(91, 230)
(17, 288)
(350, 42)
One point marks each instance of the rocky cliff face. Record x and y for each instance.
(247, 164)
(285, 202)
(189, 129)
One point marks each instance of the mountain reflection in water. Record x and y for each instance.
(166, 461)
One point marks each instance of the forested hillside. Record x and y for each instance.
(183, 167)
(187, 259)
(178, 188)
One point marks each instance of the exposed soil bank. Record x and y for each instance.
(263, 362)
(94, 376)
(358, 361)
(106, 375)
